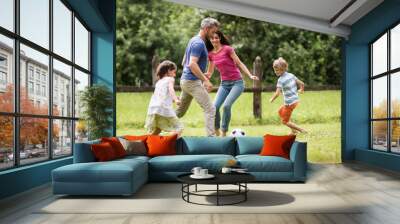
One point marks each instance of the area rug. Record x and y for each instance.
(166, 198)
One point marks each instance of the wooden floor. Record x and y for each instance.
(379, 190)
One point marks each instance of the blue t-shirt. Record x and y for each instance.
(197, 48)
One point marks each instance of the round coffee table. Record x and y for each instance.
(238, 179)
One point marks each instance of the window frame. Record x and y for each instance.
(16, 114)
(388, 74)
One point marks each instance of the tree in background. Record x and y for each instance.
(146, 28)
(33, 130)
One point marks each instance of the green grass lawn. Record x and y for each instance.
(318, 112)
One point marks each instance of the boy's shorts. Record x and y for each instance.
(285, 112)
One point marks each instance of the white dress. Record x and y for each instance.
(161, 100)
(161, 114)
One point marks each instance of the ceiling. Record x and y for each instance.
(325, 16)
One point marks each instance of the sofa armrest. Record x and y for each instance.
(298, 155)
(83, 152)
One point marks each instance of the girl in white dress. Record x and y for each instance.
(161, 115)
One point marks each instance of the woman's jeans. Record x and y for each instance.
(227, 94)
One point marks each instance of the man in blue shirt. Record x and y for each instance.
(194, 83)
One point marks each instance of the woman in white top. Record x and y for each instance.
(161, 115)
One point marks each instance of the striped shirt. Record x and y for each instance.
(287, 82)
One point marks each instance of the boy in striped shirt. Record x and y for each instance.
(287, 84)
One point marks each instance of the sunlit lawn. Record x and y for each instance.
(318, 113)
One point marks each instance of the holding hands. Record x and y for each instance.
(207, 75)
(208, 85)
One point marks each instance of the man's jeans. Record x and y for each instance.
(227, 94)
(195, 89)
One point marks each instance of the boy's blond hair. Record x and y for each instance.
(280, 63)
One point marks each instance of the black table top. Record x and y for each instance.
(220, 178)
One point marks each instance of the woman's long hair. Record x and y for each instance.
(222, 39)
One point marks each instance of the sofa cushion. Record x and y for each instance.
(185, 163)
(206, 145)
(277, 145)
(116, 145)
(249, 145)
(257, 163)
(103, 151)
(112, 171)
(159, 145)
(134, 147)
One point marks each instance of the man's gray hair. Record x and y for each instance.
(209, 22)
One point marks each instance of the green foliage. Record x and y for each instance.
(96, 102)
(146, 28)
(315, 107)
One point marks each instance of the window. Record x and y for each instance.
(44, 77)
(35, 22)
(38, 89)
(62, 29)
(385, 94)
(30, 72)
(37, 74)
(30, 87)
(3, 61)
(81, 45)
(62, 140)
(44, 91)
(33, 148)
(7, 142)
(6, 73)
(62, 74)
(3, 78)
(81, 82)
(45, 131)
(7, 14)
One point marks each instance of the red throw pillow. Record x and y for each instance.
(116, 145)
(161, 145)
(277, 145)
(103, 152)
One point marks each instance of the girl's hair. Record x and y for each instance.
(164, 67)
(280, 63)
(222, 39)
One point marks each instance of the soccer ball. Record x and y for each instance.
(237, 132)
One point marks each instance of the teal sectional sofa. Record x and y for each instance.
(125, 176)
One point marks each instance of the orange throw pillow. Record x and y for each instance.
(277, 145)
(161, 145)
(103, 152)
(142, 138)
(116, 145)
